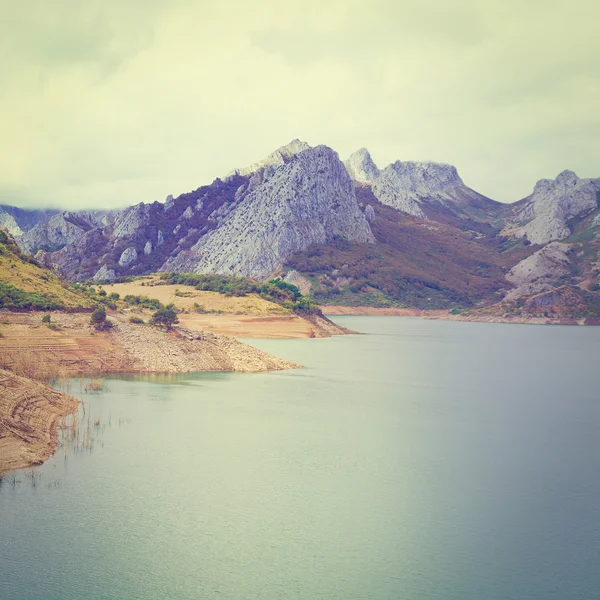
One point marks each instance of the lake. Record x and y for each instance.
(424, 460)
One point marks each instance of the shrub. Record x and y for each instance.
(46, 319)
(136, 321)
(114, 296)
(98, 319)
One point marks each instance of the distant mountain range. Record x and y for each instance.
(411, 234)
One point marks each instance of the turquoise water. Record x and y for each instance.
(424, 460)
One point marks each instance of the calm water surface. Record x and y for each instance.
(425, 460)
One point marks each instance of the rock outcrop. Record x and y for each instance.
(276, 159)
(419, 188)
(61, 230)
(308, 200)
(361, 167)
(540, 271)
(544, 216)
(7, 221)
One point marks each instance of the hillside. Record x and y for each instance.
(24, 284)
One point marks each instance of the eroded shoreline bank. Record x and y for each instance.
(31, 353)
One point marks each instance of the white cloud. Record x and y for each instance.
(111, 103)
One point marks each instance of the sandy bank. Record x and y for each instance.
(29, 414)
(75, 348)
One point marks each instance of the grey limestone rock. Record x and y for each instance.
(104, 274)
(308, 200)
(544, 215)
(129, 256)
(361, 167)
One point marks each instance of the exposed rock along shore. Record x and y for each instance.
(29, 415)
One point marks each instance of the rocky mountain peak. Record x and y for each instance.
(275, 159)
(542, 217)
(411, 187)
(310, 199)
(361, 167)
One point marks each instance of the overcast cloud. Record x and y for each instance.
(105, 103)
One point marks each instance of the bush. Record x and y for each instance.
(136, 321)
(98, 319)
(114, 296)
(14, 297)
(165, 316)
(46, 319)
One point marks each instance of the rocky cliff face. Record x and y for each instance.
(7, 221)
(418, 188)
(361, 167)
(544, 216)
(62, 229)
(308, 200)
(19, 220)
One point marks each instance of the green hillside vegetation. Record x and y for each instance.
(276, 290)
(26, 285)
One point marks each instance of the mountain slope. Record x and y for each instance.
(308, 200)
(25, 284)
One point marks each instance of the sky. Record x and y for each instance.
(106, 103)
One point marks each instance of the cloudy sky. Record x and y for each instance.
(112, 102)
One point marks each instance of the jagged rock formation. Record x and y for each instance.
(308, 200)
(544, 216)
(7, 221)
(105, 274)
(418, 188)
(276, 159)
(62, 229)
(540, 271)
(361, 167)
(21, 220)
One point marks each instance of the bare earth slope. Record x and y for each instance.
(29, 414)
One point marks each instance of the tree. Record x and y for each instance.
(46, 319)
(165, 316)
(98, 319)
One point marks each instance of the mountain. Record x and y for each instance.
(544, 215)
(18, 220)
(308, 200)
(426, 190)
(61, 229)
(410, 234)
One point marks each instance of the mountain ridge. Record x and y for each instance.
(258, 219)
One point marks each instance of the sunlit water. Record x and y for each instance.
(425, 460)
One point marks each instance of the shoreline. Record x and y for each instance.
(31, 353)
(445, 315)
